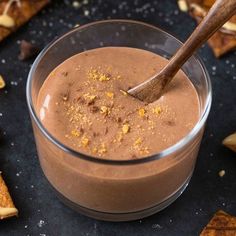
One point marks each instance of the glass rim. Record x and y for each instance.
(160, 155)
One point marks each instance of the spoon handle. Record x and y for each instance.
(220, 12)
(153, 88)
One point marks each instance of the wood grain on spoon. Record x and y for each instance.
(153, 88)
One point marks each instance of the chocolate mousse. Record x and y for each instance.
(84, 104)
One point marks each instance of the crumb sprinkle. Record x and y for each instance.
(221, 173)
(125, 128)
(105, 110)
(138, 141)
(110, 95)
(157, 110)
(85, 141)
(94, 74)
(141, 112)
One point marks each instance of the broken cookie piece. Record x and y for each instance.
(7, 208)
(15, 13)
(221, 224)
(224, 40)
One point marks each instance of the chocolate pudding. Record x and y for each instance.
(84, 105)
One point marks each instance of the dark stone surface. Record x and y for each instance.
(36, 202)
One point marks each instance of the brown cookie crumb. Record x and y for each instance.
(169, 123)
(119, 120)
(65, 73)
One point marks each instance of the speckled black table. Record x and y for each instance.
(41, 213)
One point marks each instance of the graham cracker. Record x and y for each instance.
(7, 207)
(222, 224)
(224, 40)
(20, 12)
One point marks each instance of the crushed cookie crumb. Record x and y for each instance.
(142, 112)
(144, 150)
(138, 142)
(157, 110)
(105, 110)
(96, 75)
(75, 133)
(110, 95)
(90, 98)
(85, 141)
(102, 149)
(125, 128)
(221, 173)
(104, 77)
(2, 82)
(93, 74)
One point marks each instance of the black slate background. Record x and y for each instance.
(41, 213)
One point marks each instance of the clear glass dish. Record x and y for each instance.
(117, 190)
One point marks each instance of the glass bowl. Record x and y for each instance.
(117, 190)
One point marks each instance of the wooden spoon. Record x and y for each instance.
(152, 89)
